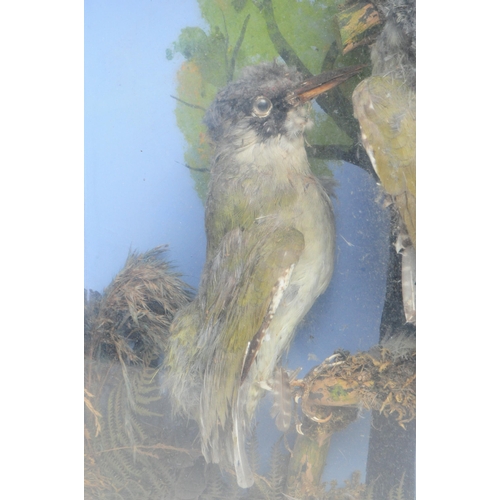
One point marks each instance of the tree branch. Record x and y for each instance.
(283, 48)
(355, 155)
(230, 72)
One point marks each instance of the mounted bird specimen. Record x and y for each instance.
(270, 254)
(385, 106)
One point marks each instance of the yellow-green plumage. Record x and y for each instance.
(384, 105)
(386, 111)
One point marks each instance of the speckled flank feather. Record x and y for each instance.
(282, 399)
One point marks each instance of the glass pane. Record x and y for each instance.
(240, 340)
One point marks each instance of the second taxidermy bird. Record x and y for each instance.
(270, 251)
(385, 106)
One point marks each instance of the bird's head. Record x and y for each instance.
(269, 100)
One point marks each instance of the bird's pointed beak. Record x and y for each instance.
(316, 85)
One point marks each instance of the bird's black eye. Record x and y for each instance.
(262, 106)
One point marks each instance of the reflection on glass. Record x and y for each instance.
(259, 418)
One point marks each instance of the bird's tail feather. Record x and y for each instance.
(244, 473)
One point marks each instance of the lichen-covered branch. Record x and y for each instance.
(381, 380)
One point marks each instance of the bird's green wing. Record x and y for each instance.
(220, 332)
(239, 293)
(385, 109)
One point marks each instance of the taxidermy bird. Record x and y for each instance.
(270, 252)
(385, 106)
